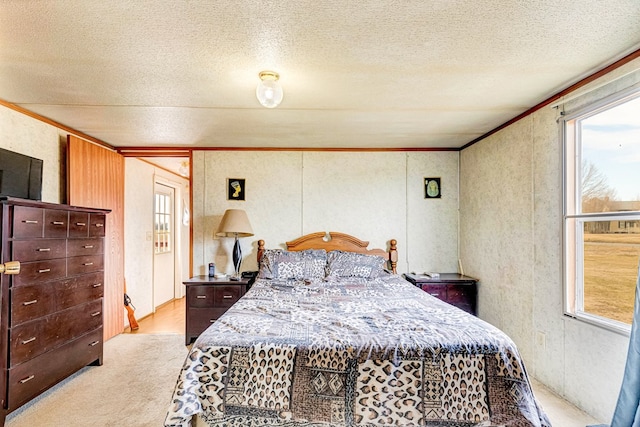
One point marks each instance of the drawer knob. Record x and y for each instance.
(44, 249)
(30, 302)
(81, 224)
(99, 225)
(44, 270)
(227, 296)
(57, 223)
(212, 320)
(87, 263)
(27, 341)
(88, 246)
(94, 343)
(97, 285)
(10, 267)
(97, 313)
(201, 296)
(29, 378)
(435, 295)
(30, 221)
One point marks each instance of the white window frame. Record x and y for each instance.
(573, 218)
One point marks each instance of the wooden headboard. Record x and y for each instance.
(338, 241)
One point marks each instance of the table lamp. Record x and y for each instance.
(235, 223)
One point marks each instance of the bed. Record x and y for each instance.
(330, 335)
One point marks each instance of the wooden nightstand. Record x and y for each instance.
(456, 289)
(207, 299)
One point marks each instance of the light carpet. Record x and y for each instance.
(133, 387)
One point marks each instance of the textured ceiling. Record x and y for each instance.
(375, 74)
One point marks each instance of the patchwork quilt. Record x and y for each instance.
(351, 351)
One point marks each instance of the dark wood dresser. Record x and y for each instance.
(207, 299)
(51, 312)
(456, 289)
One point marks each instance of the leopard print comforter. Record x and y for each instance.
(351, 352)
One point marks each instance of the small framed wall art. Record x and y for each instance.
(432, 189)
(235, 189)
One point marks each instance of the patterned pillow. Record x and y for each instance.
(351, 264)
(285, 265)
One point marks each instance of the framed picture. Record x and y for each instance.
(235, 189)
(432, 189)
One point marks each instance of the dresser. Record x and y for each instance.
(207, 299)
(51, 311)
(453, 288)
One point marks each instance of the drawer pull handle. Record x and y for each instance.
(81, 224)
(99, 225)
(87, 263)
(57, 223)
(97, 285)
(30, 302)
(88, 246)
(201, 296)
(30, 221)
(27, 341)
(29, 378)
(44, 249)
(94, 343)
(44, 270)
(212, 320)
(227, 296)
(97, 313)
(435, 295)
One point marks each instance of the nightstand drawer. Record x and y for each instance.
(201, 296)
(226, 296)
(437, 291)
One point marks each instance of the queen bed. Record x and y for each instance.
(329, 335)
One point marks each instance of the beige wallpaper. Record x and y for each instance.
(376, 196)
(22, 134)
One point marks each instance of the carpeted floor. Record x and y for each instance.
(132, 388)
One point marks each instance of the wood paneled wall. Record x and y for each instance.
(95, 178)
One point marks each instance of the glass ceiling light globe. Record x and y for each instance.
(269, 92)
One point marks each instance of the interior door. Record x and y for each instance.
(164, 244)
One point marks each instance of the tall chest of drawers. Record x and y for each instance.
(51, 312)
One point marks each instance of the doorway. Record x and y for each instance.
(164, 244)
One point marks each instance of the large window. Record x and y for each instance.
(163, 221)
(602, 210)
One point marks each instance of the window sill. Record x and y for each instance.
(601, 322)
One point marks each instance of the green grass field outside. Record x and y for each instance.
(610, 273)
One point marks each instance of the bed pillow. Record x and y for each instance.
(285, 265)
(351, 264)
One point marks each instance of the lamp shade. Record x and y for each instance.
(234, 223)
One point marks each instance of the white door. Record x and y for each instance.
(164, 245)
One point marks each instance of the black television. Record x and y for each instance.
(20, 175)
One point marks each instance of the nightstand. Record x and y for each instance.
(207, 299)
(453, 288)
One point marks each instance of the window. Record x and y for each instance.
(602, 210)
(163, 223)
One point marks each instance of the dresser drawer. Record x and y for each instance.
(201, 296)
(31, 302)
(39, 249)
(97, 224)
(78, 224)
(40, 271)
(81, 247)
(33, 377)
(84, 264)
(41, 335)
(27, 222)
(226, 296)
(56, 223)
(78, 290)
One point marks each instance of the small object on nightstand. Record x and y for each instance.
(212, 269)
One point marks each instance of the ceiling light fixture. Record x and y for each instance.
(269, 91)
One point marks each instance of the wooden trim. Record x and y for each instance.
(55, 124)
(557, 96)
(182, 152)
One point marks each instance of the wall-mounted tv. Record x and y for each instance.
(20, 175)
